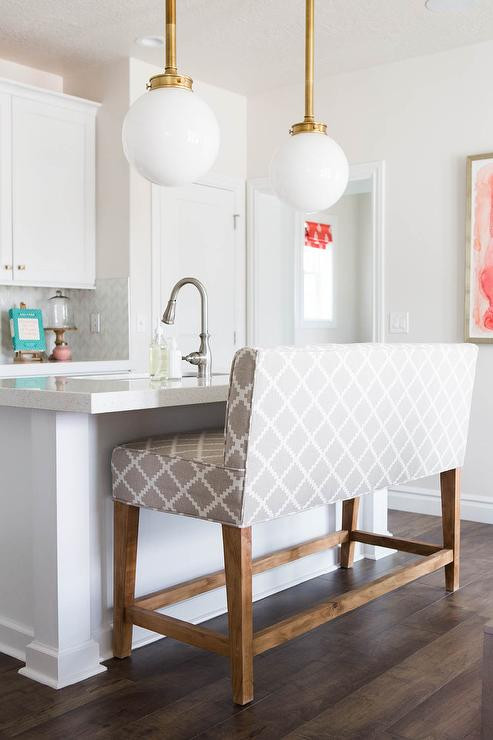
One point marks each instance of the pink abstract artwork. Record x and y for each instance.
(479, 298)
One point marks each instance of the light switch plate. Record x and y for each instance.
(95, 323)
(399, 322)
(140, 323)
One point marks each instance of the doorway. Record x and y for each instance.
(317, 278)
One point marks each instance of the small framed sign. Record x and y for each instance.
(26, 328)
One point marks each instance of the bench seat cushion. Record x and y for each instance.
(180, 474)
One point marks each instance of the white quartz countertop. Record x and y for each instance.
(108, 394)
(37, 369)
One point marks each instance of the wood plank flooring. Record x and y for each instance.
(406, 666)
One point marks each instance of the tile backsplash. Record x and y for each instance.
(110, 300)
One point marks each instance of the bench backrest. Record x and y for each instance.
(313, 425)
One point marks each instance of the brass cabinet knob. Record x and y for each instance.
(21, 267)
(7, 267)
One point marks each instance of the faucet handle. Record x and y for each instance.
(194, 358)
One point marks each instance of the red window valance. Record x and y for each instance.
(317, 235)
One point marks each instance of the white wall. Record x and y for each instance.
(422, 116)
(30, 75)
(271, 254)
(109, 84)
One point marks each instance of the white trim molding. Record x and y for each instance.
(14, 638)
(427, 501)
(375, 171)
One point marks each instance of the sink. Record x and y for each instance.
(112, 376)
(132, 376)
(214, 375)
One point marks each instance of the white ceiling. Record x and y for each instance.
(243, 45)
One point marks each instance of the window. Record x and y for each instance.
(318, 274)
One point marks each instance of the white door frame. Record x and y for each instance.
(374, 171)
(237, 185)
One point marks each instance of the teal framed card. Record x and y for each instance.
(26, 328)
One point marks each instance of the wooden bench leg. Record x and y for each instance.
(350, 509)
(126, 527)
(237, 545)
(450, 490)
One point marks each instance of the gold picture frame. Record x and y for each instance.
(478, 315)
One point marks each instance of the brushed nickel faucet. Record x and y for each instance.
(203, 357)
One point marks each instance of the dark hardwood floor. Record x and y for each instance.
(404, 666)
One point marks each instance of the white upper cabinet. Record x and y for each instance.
(48, 207)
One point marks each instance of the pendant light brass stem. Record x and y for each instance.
(309, 60)
(170, 77)
(309, 125)
(170, 35)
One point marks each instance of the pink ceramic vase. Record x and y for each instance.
(62, 353)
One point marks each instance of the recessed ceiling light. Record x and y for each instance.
(450, 6)
(150, 42)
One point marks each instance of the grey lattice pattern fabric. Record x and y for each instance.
(336, 422)
(205, 446)
(239, 407)
(180, 474)
(307, 427)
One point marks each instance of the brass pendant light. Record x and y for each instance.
(170, 135)
(309, 171)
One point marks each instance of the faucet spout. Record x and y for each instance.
(203, 357)
(169, 313)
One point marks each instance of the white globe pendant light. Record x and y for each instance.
(309, 171)
(170, 135)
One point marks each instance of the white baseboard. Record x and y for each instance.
(14, 638)
(427, 501)
(60, 668)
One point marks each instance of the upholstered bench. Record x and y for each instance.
(304, 427)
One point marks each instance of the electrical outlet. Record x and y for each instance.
(95, 323)
(399, 322)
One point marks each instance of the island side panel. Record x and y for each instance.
(61, 651)
(16, 598)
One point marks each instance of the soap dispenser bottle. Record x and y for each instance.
(174, 359)
(158, 356)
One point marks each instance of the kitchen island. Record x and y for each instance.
(57, 434)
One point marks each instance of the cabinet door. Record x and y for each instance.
(53, 194)
(5, 191)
